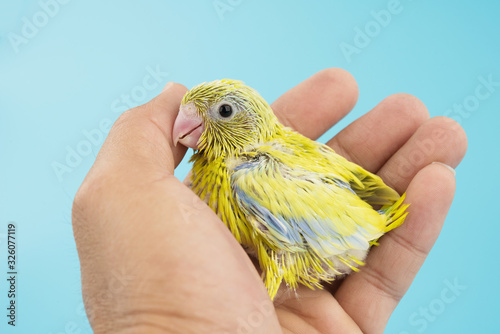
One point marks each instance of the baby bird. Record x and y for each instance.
(306, 213)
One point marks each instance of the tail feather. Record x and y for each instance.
(396, 213)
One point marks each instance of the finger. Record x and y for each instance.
(317, 103)
(371, 295)
(141, 137)
(372, 139)
(438, 139)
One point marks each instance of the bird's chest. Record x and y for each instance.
(211, 181)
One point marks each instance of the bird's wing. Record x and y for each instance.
(320, 158)
(296, 210)
(368, 186)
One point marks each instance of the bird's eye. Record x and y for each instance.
(225, 110)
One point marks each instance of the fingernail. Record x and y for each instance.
(168, 85)
(451, 169)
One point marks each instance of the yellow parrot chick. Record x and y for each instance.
(306, 213)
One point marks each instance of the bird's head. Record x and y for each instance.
(221, 117)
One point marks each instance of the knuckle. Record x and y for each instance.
(127, 115)
(382, 282)
(87, 200)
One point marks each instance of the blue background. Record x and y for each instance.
(72, 74)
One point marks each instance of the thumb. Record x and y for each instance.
(141, 137)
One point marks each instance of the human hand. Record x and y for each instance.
(186, 273)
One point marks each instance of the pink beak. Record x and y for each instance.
(188, 127)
